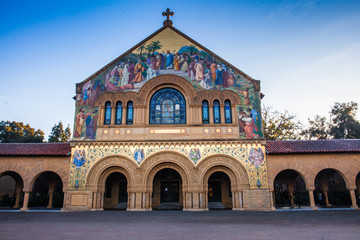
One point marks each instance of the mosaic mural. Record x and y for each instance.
(252, 158)
(167, 53)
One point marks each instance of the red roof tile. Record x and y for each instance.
(272, 147)
(313, 146)
(29, 149)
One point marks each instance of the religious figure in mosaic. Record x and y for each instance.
(139, 155)
(79, 158)
(256, 156)
(194, 154)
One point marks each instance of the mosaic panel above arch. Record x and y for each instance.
(252, 157)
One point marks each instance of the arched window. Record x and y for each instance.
(129, 113)
(227, 109)
(167, 106)
(118, 116)
(216, 108)
(205, 111)
(107, 117)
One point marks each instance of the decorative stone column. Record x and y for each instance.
(51, 195)
(51, 198)
(101, 204)
(26, 201)
(101, 116)
(94, 201)
(98, 201)
(113, 114)
(222, 112)
(196, 201)
(211, 113)
(353, 197)
(131, 201)
(237, 200)
(63, 209)
(18, 197)
(311, 197)
(187, 200)
(272, 200)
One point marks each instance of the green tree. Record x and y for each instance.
(148, 48)
(141, 49)
(58, 134)
(192, 49)
(280, 125)
(343, 122)
(155, 45)
(18, 132)
(318, 129)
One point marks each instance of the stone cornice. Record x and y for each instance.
(185, 142)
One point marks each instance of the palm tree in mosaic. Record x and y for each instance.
(155, 46)
(192, 49)
(141, 49)
(148, 48)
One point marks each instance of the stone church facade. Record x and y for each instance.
(171, 125)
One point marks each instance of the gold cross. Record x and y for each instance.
(168, 14)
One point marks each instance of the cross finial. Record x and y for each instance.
(168, 13)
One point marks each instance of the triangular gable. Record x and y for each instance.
(169, 51)
(176, 36)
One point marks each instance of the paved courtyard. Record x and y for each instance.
(181, 225)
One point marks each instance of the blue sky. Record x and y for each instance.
(306, 53)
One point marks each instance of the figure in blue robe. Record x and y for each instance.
(169, 60)
(219, 80)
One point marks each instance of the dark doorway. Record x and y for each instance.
(290, 190)
(167, 190)
(11, 185)
(219, 191)
(116, 196)
(214, 191)
(330, 189)
(47, 191)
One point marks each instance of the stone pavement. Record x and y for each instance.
(181, 225)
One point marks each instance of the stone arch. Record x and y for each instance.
(14, 171)
(107, 172)
(167, 80)
(302, 169)
(277, 171)
(290, 189)
(222, 169)
(223, 163)
(167, 159)
(12, 189)
(107, 165)
(332, 189)
(211, 95)
(341, 173)
(36, 172)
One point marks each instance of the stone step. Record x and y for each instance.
(216, 205)
(169, 206)
(121, 205)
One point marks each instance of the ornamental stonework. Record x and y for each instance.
(89, 158)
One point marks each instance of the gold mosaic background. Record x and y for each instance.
(256, 170)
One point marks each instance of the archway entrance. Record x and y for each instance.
(11, 185)
(116, 196)
(47, 191)
(219, 191)
(290, 190)
(331, 190)
(167, 190)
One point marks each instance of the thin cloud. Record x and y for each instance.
(286, 8)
